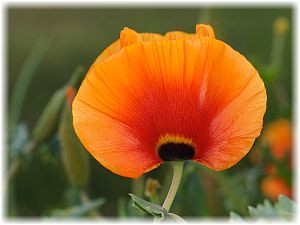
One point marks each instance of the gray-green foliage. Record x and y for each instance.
(159, 213)
(20, 139)
(80, 210)
(283, 209)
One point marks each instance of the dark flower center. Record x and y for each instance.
(171, 151)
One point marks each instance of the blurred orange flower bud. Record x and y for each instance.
(273, 186)
(151, 187)
(278, 135)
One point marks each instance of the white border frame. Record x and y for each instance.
(120, 3)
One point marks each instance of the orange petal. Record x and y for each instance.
(100, 121)
(194, 89)
(127, 37)
(174, 35)
(109, 51)
(205, 30)
(151, 37)
(109, 142)
(234, 102)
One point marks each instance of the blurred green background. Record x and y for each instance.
(78, 35)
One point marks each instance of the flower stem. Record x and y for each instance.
(15, 165)
(177, 174)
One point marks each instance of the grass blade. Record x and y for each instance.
(22, 83)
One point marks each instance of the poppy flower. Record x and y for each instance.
(273, 186)
(278, 135)
(148, 99)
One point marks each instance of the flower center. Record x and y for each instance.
(175, 148)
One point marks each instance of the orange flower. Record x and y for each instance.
(272, 187)
(149, 98)
(279, 136)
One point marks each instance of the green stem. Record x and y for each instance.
(86, 200)
(280, 32)
(281, 26)
(15, 165)
(177, 174)
(137, 186)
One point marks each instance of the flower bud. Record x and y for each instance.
(48, 121)
(151, 187)
(273, 186)
(74, 156)
(278, 135)
(281, 25)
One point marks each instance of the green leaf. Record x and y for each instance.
(171, 217)
(265, 210)
(27, 72)
(284, 209)
(160, 214)
(235, 217)
(149, 207)
(79, 211)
